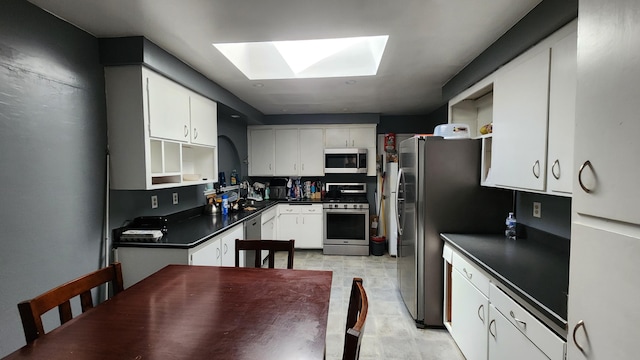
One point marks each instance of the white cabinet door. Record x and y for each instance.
(520, 105)
(286, 145)
(562, 115)
(310, 232)
(337, 137)
(228, 246)
(469, 314)
(204, 121)
(262, 150)
(209, 254)
(607, 125)
(506, 342)
(168, 108)
(603, 293)
(362, 137)
(288, 226)
(311, 152)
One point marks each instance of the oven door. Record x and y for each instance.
(346, 227)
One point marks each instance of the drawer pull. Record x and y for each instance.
(585, 164)
(524, 324)
(481, 314)
(553, 169)
(575, 330)
(469, 275)
(494, 326)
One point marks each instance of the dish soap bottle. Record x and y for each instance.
(510, 232)
(234, 178)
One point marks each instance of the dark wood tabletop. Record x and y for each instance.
(200, 312)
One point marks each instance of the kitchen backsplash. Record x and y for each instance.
(555, 213)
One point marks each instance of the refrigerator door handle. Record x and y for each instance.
(398, 199)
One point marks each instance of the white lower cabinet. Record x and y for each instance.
(303, 223)
(507, 343)
(469, 317)
(140, 262)
(488, 324)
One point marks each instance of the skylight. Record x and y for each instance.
(320, 58)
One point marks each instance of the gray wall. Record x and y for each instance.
(556, 213)
(52, 158)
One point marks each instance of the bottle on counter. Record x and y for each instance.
(510, 232)
(225, 204)
(233, 179)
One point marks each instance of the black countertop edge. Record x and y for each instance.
(190, 228)
(556, 322)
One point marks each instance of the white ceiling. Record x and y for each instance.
(429, 42)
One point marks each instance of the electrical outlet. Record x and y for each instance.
(154, 201)
(537, 209)
(175, 198)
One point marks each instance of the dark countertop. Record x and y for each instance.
(535, 268)
(190, 228)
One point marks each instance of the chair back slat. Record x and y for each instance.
(356, 317)
(271, 245)
(32, 310)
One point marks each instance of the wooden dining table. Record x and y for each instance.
(200, 312)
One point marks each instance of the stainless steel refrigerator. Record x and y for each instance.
(438, 191)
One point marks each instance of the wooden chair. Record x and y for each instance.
(32, 310)
(356, 316)
(271, 245)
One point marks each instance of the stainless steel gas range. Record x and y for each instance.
(346, 219)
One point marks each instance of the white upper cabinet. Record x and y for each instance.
(350, 137)
(520, 98)
(204, 115)
(607, 125)
(161, 134)
(168, 108)
(531, 103)
(261, 151)
(287, 156)
(311, 152)
(562, 114)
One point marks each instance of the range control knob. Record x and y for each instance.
(345, 206)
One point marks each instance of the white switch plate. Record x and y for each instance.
(154, 201)
(175, 198)
(537, 209)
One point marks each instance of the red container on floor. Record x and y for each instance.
(377, 245)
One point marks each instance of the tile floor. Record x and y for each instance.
(390, 332)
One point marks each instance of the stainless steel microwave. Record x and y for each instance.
(345, 161)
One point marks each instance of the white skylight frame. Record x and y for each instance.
(297, 59)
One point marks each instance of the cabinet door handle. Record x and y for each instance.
(218, 253)
(494, 326)
(533, 169)
(584, 165)
(553, 169)
(575, 330)
(346, 143)
(226, 248)
(195, 133)
(481, 314)
(186, 131)
(269, 166)
(353, 143)
(524, 324)
(302, 167)
(294, 166)
(469, 275)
